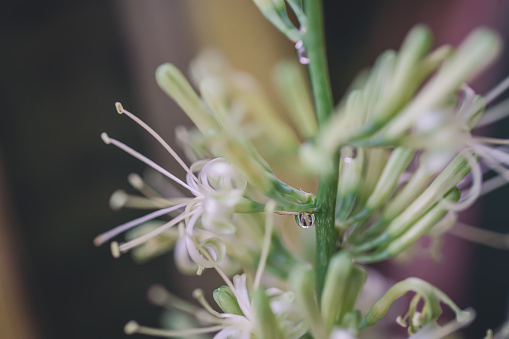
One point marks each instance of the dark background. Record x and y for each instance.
(63, 64)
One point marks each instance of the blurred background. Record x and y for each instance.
(64, 64)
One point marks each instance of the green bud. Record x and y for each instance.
(398, 162)
(295, 91)
(256, 104)
(352, 319)
(457, 169)
(302, 280)
(266, 322)
(213, 93)
(175, 84)
(226, 300)
(275, 12)
(343, 284)
(350, 180)
(474, 54)
(415, 232)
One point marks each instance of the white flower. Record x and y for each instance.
(216, 186)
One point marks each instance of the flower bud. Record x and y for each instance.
(226, 300)
(343, 284)
(175, 84)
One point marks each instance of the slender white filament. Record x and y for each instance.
(140, 122)
(124, 247)
(106, 236)
(147, 161)
(269, 225)
(495, 92)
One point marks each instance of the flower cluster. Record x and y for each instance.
(396, 160)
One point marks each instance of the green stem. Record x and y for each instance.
(326, 235)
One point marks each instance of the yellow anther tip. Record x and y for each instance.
(115, 249)
(105, 138)
(131, 327)
(119, 107)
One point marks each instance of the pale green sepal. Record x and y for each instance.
(227, 301)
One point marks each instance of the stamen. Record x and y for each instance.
(140, 122)
(115, 251)
(495, 92)
(493, 184)
(493, 141)
(495, 158)
(120, 199)
(198, 295)
(494, 114)
(264, 253)
(124, 247)
(146, 160)
(133, 327)
(481, 236)
(104, 237)
(160, 296)
(139, 184)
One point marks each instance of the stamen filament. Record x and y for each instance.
(104, 237)
(133, 327)
(120, 199)
(269, 225)
(124, 247)
(495, 92)
(120, 110)
(139, 184)
(481, 236)
(494, 114)
(146, 160)
(198, 295)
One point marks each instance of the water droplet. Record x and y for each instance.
(348, 153)
(301, 52)
(305, 220)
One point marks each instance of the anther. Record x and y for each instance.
(131, 327)
(119, 107)
(115, 249)
(118, 199)
(157, 294)
(105, 138)
(135, 181)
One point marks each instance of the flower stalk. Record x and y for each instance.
(326, 235)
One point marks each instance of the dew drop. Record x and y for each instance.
(348, 153)
(305, 220)
(301, 52)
